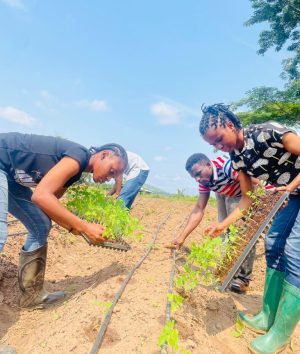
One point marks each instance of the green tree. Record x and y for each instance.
(270, 103)
(283, 17)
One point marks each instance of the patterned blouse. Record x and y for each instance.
(264, 156)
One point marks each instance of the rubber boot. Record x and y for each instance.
(31, 279)
(263, 321)
(5, 349)
(287, 317)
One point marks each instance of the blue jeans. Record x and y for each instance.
(16, 199)
(282, 242)
(131, 188)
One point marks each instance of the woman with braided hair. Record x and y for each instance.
(51, 165)
(269, 152)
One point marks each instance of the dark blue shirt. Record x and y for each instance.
(27, 158)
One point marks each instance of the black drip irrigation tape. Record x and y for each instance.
(18, 233)
(100, 336)
(12, 222)
(163, 349)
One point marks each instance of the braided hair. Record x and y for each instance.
(217, 115)
(116, 149)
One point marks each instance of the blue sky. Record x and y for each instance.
(132, 72)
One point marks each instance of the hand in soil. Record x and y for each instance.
(178, 242)
(214, 230)
(94, 233)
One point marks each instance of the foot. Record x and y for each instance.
(239, 286)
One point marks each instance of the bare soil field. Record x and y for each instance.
(92, 275)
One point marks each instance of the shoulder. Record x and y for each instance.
(74, 150)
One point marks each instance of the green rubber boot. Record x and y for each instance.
(287, 317)
(272, 294)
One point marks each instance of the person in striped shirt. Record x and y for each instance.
(216, 175)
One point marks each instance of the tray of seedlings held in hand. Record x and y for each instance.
(117, 244)
(242, 237)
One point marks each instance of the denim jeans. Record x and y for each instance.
(16, 199)
(131, 188)
(283, 242)
(225, 207)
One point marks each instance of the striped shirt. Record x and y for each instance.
(225, 179)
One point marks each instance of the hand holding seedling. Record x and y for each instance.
(214, 230)
(94, 233)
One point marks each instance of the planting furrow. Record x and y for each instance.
(171, 287)
(100, 336)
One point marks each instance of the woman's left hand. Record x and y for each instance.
(287, 188)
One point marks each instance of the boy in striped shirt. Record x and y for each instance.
(218, 176)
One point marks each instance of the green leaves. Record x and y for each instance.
(283, 19)
(169, 336)
(92, 205)
(175, 300)
(209, 261)
(239, 328)
(103, 305)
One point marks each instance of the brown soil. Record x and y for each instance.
(205, 322)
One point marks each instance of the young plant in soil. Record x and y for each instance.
(169, 337)
(92, 205)
(210, 262)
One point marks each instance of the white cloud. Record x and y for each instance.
(94, 105)
(159, 158)
(17, 4)
(165, 113)
(170, 112)
(16, 116)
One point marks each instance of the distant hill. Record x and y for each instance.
(154, 190)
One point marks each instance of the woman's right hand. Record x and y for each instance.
(93, 232)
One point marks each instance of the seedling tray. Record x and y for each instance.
(269, 210)
(118, 245)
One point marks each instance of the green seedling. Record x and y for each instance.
(239, 329)
(43, 344)
(103, 305)
(208, 261)
(175, 300)
(92, 205)
(169, 336)
(56, 316)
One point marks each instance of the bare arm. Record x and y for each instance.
(116, 189)
(291, 142)
(245, 202)
(45, 196)
(60, 193)
(193, 220)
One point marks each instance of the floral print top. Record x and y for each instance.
(263, 155)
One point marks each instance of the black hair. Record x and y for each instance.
(217, 115)
(117, 150)
(195, 158)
